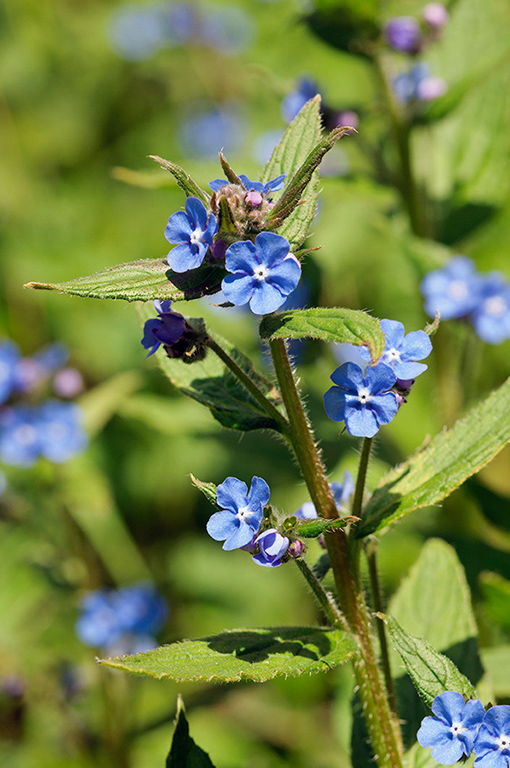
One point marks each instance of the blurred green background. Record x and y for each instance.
(80, 111)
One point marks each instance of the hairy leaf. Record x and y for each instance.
(449, 459)
(244, 654)
(183, 179)
(142, 280)
(208, 489)
(299, 139)
(184, 753)
(327, 324)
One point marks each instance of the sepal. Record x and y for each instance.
(183, 179)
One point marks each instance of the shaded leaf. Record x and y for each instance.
(328, 324)
(496, 590)
(348, 25)
(497, 663)
(449, 459)
(431, 672)
(142, 280)
(184, 753)
(183, 179)
(299, 139)
(244, 654)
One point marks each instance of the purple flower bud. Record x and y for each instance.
(296, 548)
(435, 15)
(431, 88)
(403, 34)
(272, 548)
(253, 198)
(68, 382)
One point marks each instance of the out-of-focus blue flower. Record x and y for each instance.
(61, 434)
(32, 371)
(435, 15)
(263, 273)
(453, 291)
(121, 620)
(205, 133)
(19, 436)
(403, 34)
(264, 188)
(491, 315)
(241, 512)
(192, 232)
(342, 492)
(179, 22)
(402, 351)
(227, 29)
(9, 358)
(136, 32)
(262, 147)
(451, 733)
(295, 100)
(272, 547)
(492, 743)
(418, 85)
(363, 401)
(166, 329)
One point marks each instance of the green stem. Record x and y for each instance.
(357, 504)
(382, 725)
(250, 385)
(375, 584)
(326, 600)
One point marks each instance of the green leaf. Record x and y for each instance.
(496, 591)
(211, 383)
(449, 459)
(310, 529)
(497, 663)
(183, 179)
(184, 753)
(100, 403)
(348, 25)
(208, 489)
(142, 280)
(244, 654)
(299, 139)
(327, 324)
(431, 672)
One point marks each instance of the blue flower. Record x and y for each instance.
(205, 133)
(451, 733)
(9, 357)
(403, 34)
(492, 743)
(60, 433)
(491, 315)
(264, 188)
(19, 436)
(193, 233)
(294, 101)
(453, 291)
(341, 494)
(418, 85)
(166, 329)
(272, 547)
(121, 620)
(241, 512)
(363, 401)
(402, 352)
(263, 273)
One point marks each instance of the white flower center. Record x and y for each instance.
(242, 512)
(457, 289)
(392, 355)
(195, 236)
(504, 742)
(496, 306)
(260, 273)
(364, 395)
(25, 434)
(456, 729)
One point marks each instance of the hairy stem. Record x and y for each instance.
(328, 605)
(357, 504)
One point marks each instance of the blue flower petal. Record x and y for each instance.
(238, 288)
(178, 229)
(232, 494)
(380, 378)
(361, 422)
(349, 377)
(266, 298)
(274, 248)
(240, 537)
(334, 403)
(259, 493)
(185, 257)
(242, 257)
(197, 213)
(221, 525)
(394, 333)
(285, 276)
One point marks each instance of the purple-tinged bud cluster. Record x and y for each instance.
(121, 621)
(459, 291)
(435, 15)
(170, 329)
(51, 428)
(459, 728)
(403, 34)
(138, 32)
(417, 85)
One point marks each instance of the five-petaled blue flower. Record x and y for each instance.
(272, 546)
(492, 743)
(241, 512)
(192, 232)
(341, 494)
(491, 316)
(166, 329)
(264, 188)
(402, 351)
(451, 733)
(363, 401)
(453, 291)
(263, 273)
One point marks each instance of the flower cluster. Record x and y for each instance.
(51, 428)
(121, 620)
(138, 32)
(367, 399)
(459, 728)
(418, 84)
(459, 291)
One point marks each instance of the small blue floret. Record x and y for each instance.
(264, 188)
(492, 743)
(272, 547)
(192, 232)
(241, 512)
(402, 351)
(451, 733)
